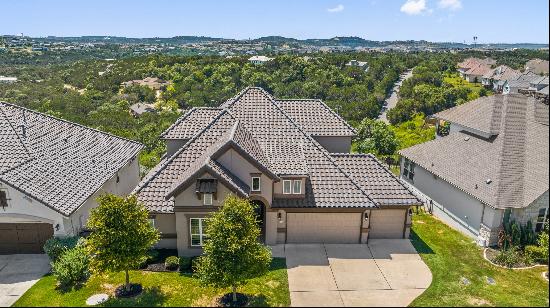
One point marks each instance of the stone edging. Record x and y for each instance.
(513, 268)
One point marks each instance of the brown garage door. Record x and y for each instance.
(24, 237)
(387, 223)
(323, 227)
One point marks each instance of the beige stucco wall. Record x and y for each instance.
(335, 144)
(243, 169)
(188, 197)
(166, 225)
(26, 209)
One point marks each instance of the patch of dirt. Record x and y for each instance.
(419, 222)
(206, 301)
(135, 290)
(476, 301)
(108, 288)
(272, 284)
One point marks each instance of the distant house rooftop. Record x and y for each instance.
(259, 59)
(153, 83)
(138, 109)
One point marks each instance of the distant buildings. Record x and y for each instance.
(497, 78)
(361, 64)
(529, 84)
(473, 69)
(259, 60)
(5, 79)
(537, 66)
(153, 83)
(138, 109)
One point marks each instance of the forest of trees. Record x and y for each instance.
(89, 92)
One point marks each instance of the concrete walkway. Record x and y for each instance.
(394, 98)
(18, 273)
(382, 273)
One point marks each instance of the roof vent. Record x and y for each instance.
(489, 181)
(466, 138)
(476, 186)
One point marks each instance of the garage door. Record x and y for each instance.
(387, 223)
(24, 237)
(323, 227)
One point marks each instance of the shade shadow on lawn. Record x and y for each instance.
(150, 297)
(419, 244)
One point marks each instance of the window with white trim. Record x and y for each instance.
(207, 199)
(297, 186)
(287, 187)
(542, 218)
(256, 183)
(408, 169)
(198, 231)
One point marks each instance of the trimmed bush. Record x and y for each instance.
(511, 258)
(72, 267)
(172, 263)
(537, 253)
(185, 264)
(56, 246)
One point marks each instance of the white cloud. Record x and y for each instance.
(414, 7)
(452, 5)
(337, 9)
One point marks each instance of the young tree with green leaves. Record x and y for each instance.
(375, 136)
(232, 254)
(121, 235)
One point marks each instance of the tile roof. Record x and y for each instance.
(63, 163)
(254, 122)
(509, 169)
(190, 123)
(478, 70)
(502, 72)
(315, 117)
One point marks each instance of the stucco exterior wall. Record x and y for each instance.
(335, 144)
(26, 209)
(166, 225)
(188, 197)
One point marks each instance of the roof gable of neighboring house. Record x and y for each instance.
(191, 123)
(65, 163)
(509, 169)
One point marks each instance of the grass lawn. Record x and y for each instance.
(455, 80)
(161, 289)
(451, 255)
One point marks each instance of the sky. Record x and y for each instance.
(492, 21)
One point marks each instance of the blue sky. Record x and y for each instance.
(509, 21)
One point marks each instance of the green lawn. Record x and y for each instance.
(455, 80)
(161, 289)
(451, 255)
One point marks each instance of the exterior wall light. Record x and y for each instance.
(57, 227)
(366, 216)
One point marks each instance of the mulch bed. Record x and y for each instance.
(227, 300)
(135, 290)
(157, 267)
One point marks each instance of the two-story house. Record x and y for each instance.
(51, 172)
(495, 159)
(290, 158)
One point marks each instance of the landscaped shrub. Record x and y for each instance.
(72, 267)
(55, 246)
(172, 263)
(511, 258)
(185, 264)
(537, 253)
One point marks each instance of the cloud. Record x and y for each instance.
(337, 9)
(452, 5)
(414, 7)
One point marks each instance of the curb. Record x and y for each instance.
(512, 268)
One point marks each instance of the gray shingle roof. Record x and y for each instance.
(65, 162)
(482, 114)
(255, 123)
(190, 123)
(515, 160)
(316, 118)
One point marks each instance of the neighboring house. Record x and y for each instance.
(5, 79)
(259, 60)
(281, 155)
(153, 83)
(361, 64)
(470, 63)
(497, 78)
(476, 73)
(494, 160)
(51, 172)
(537, 66)
(522, 82)
(138, 109)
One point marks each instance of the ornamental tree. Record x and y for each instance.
(121, 235)
(232, 253)
(376, 137)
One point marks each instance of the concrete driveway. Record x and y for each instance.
(18, 273)
(382, 273)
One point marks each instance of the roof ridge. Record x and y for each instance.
(168, 160)
(72, 123)
(315, 143)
